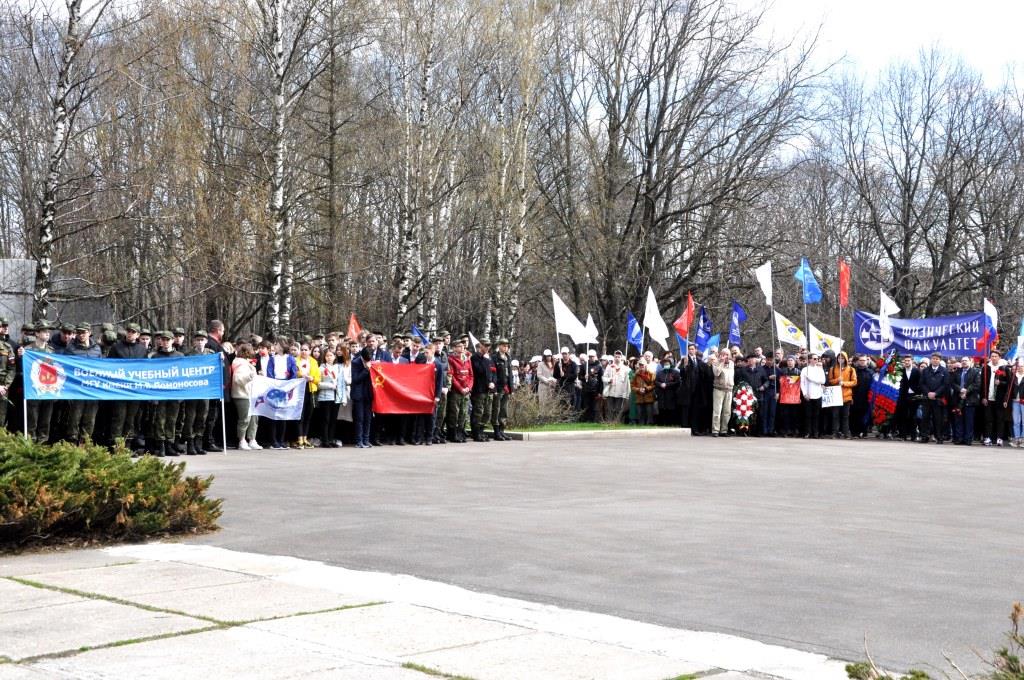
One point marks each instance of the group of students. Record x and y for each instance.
(940, 399)
(471, 389)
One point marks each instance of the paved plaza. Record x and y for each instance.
(739, 551)
(809, 544)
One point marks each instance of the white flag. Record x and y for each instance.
(887, 307)
(566, 322)
(653, 322)
(823, 341)
(473, 342)
(277, 399)
(763, 274)
(591, 329)
(789, 332)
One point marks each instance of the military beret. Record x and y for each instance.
(200, 334)
(134, 327)
(146, 331)
(67, 328)
(82, 327)
(179, 331)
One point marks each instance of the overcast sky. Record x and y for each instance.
(987, 34)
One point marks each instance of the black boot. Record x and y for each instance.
(168, 448)
(210, 446)
(197, 446)
(189, 449)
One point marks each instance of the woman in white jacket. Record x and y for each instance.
(546, 382)
(616, 387)
(812, 385)
(243, 371)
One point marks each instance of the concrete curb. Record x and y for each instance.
(621, 433)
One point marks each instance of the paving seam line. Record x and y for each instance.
(117, 643)
(470, 644)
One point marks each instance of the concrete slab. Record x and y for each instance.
(85, 623)
(390, 630)
(11, 671)
(241, 653)
(552, 657)
(617, 433)
(15, 597)
(129, 580)
(248, 600)
(61, 560)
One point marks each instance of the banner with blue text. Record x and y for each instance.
(950, 335)
(61, 376)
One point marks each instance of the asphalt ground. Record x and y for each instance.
(808, 544)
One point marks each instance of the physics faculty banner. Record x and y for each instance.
(61, 376)
(951, 335)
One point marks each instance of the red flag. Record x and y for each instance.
(402, 388)
(682, 324)
(354, 329)
(844, 283)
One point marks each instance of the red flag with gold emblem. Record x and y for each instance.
(402, 388)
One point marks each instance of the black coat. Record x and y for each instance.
(484, 373)
(127, 350)
(565, 374)
(361, 388)
(935, 380)
(667, 396)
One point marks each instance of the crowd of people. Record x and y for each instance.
(727, 393)
(471, 389)
(940, 399)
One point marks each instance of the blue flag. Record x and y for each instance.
(682, 345)
(739, 316)
(419, 334)
(714, 341)
(703, 330)
(1011, 353)
(812, 291)
(634, 332)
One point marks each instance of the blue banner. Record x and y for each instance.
(62, 376)
(950, 335)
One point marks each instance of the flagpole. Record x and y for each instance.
(771, 326)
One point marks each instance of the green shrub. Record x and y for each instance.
(61, 492)
(1005, 666)
(525, 410)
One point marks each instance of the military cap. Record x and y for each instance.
(166, 335)
(397, 336)
(443, 334)
(200, 334)
(82, 327)
(484, 341)
(109, 336)
(27, 327)
(503, 341)
(41, 326)
(319, 336)
(67, 328)
(4, 321)
(145, 331)
(134, 327)
(179, 331)
(107, 327)
(437, 338)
